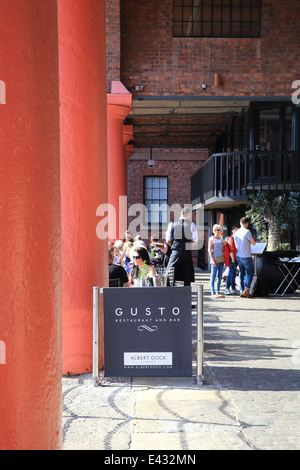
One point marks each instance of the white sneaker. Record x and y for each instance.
(227, 292)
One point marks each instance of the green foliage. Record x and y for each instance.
(282, 209)
(259, 207)
(143, 271)
(267, 211)
(283, 246)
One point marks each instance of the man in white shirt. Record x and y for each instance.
(181, 236)
(243, 240)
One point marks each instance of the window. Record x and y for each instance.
(273, 127)
(273, 134)
(156, 199)
(217, 18)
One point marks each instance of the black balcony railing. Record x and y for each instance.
(234, 175)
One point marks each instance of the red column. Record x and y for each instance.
(127, 137)
(119, 105)
(30, 319)
(123, 210)
(83, 172)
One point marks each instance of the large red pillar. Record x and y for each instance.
(119, 105)
(30, 244)
(82, 74)
(127, 152)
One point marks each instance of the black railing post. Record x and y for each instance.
(221, 175)
(227, 175)
(245, 171)
(233, 174)
(215, 175)
(254, 169)
(239, 174)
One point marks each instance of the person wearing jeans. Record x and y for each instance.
(216, 272)
(243, 240)
(215, 250)
(230, 282)
(245, 267)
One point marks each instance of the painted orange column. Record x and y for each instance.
(127, 137)
(30, 251)
(123, 209)
(82, 64)
(119, 105)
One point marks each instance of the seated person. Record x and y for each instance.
(128, 247)
(117, 272)
(140, 256)
(119, 252)
(111, 248)
(139, 242)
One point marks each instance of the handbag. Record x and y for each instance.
(220, 259)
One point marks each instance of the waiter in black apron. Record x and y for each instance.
(180, 235)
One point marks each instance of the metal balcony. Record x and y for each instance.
(226, 179)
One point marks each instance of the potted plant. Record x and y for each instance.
(271, 216)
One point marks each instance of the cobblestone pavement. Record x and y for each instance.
(249, 400)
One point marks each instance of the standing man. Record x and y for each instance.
(243, 240)
(178, 235)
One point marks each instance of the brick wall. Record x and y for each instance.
(167, 65)
(178, 165)
(113, 38)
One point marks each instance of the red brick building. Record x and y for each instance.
(209, 77)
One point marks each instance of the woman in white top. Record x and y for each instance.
(215, 250)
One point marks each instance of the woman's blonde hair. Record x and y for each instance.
(128, 246)
(217, 226)
(119, 244)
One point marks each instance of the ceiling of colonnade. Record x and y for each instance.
(183, 122)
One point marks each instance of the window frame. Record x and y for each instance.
(222, 7)
(147, 216)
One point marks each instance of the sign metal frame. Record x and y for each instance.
(98, 310)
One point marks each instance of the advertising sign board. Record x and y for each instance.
(147, 331)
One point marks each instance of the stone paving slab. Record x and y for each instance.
(250, 398)
(96, 418)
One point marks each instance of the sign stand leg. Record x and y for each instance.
(200, 339)
(96, 342)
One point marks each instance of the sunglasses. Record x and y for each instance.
(136, 257)
(217, 230)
